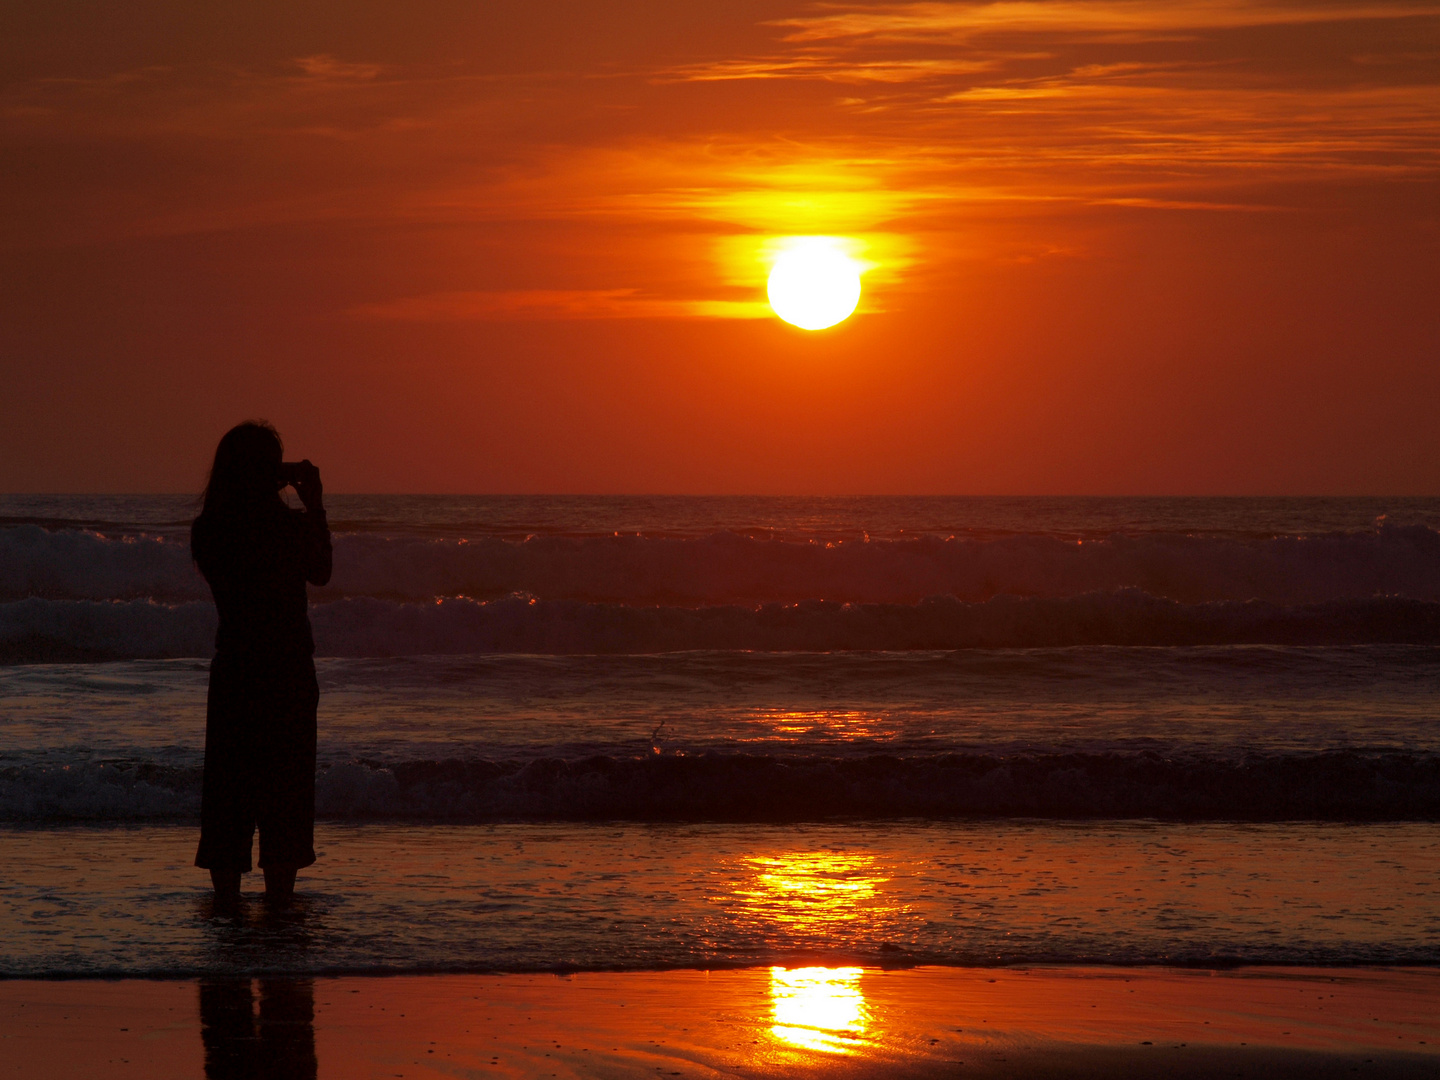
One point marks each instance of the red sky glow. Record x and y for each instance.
(1112, 246)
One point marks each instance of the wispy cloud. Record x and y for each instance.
(1120, 102)
(833, 68)
(882, 122)
(1135, 19)
(701, 185)
(325, 66)
(549, 304)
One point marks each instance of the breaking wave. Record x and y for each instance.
(1328, 786)
(729, 568)
(37, 630)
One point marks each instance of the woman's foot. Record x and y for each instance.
(279, 885)
(227, 890)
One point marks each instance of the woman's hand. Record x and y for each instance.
(306, 483)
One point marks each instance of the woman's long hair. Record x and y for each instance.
(245, 473)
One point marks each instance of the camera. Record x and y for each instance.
(290, 472)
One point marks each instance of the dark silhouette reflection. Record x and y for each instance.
(278, 1044)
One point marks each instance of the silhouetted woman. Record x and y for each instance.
(257, 554)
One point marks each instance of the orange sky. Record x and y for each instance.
(1180, 247)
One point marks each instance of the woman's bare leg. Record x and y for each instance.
(227, 888)
(279, 884)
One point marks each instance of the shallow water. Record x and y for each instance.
(1248, 732)
(522, 897)
(604, 732)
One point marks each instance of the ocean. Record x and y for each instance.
(592, 733)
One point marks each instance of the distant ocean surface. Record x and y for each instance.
(875, 698)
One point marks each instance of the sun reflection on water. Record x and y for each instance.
(841, 724)
(810, 892)
(818, 1008)
(816, 900)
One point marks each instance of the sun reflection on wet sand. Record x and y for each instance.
(822, 893)
(818, 1008)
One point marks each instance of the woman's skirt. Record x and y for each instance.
(259, 762)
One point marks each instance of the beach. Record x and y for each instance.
(746, 787)
(793, 538)
(1064, 1022)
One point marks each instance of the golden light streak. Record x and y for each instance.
(847, 724)
(812, 890)
(526, 304)
(817, 1008)
(816, 893)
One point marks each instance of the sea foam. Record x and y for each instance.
(1341, 785)
(729, 568)
(36, 630)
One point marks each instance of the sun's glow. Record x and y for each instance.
(814, 283)
(816, 898)
(818, 1008)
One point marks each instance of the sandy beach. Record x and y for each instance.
(751, 1022)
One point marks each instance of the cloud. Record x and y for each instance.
(325, 66)
(952, 116)
(830, 68)
(1135, 19)
(549, 304)
(725, 185)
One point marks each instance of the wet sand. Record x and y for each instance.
(1053, 1022)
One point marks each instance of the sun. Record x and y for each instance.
(814, 283)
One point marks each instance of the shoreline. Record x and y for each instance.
(829, 959)
(758, 1021)
(557, 898)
